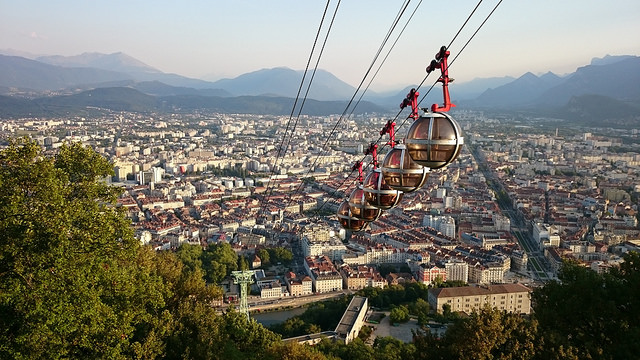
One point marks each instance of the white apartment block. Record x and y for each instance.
(457, 270)
(299, 285)
(325, 276)
(444, 224)
(332, 247)
(546, 235)
(328, 283)
(273, 290)
(382, 255)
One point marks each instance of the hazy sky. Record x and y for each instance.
(215, 38)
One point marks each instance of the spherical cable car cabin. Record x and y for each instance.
(434, 140)
(347, 220)
(400, 172)
(360, 207)
(378, 193)
(356, 213)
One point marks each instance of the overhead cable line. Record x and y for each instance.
(461, 49)
(367, 87)
(315, 41)
(448, 46)
(315, 69)
(362, 81)
(342, 116)
(383, 61)
(425, 78)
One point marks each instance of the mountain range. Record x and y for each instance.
(67, 83)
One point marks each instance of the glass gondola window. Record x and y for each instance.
(401, 172)
(434, 140)
(378, 193)
(347, 220)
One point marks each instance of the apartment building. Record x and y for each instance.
(514, 298)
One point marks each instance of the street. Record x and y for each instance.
(537, 262)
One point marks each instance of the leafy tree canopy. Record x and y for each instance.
(486, 334)
(70, 280)
(399, 314)
(75, 283)
(600, 312)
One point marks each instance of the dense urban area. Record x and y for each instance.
(526, 197)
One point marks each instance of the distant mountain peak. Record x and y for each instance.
(549, 74)
(117, 61)
(528, 75)
(610, 59)
(283, 81)
(14, 52)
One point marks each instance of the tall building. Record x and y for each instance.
(323, 273)
(444, 224)
(457, 270)
(546, 235)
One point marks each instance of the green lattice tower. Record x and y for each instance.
(243, 278)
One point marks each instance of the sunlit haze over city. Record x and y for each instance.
(223, 39)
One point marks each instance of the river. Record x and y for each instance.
(276, 317)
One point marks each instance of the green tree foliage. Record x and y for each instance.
(355, 350)
(421, 309)
(404, 294)
(399, 314)
(190, 255)
(600, 312)
(486, 334)
(452, 283)
(243, 263)
(245, 336)
(404, 268)
(75, 283)
(291, 327)
(446, 311)
(384, 348)
(280, 254)
(219, 261)
(70, 280)
(293, 351)
(386, 269)
(365, 333)
(319, 316)
(389, 348)
(263, 254)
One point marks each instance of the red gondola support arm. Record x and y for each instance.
(373, 151)
(358, 166)
(440, 62)
(389, 128)
(411, 99)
